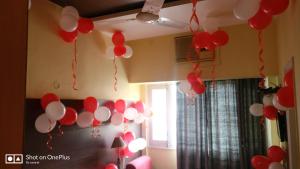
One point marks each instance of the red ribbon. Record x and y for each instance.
(261, 60)
(115, 75)
(74, 67)
(194, 18)
(60, 131)
(49, 142)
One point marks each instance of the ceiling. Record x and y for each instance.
(106, 16)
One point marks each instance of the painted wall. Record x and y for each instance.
(154, 59)
(50, 60)
(163, 158)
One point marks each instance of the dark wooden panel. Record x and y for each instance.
(96, 8)
(85, 151)
(13, 47)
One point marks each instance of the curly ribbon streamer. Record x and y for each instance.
(194, 18)
(49, 142)
(74, 67)
(261, 60)
(115, 75)
(60, 131)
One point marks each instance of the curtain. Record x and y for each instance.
(217, 130)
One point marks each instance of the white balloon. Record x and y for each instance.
(55, 110)
(130, 113)
(246, 9)
(102, 113)
(277, 105)
(68, 23)
(141, 143)
(133, 147)
(268, 100)
(43, 124)
(139, 118)
(256, 109)
(85, 119)
(275, 165)
(70, 10)
(117, 119)
(184, 86)
(129, 52)
(109, 53)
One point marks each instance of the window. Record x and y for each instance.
(162, 126)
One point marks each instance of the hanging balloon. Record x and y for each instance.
(211, 47)
(246, 9)
(119, 51)
(111, 166)
(118, 38)
(55, 110)
(260, 162)
(48, 98)
(70, 10)
(274, 7)
(68, 23)
(256, 109)
(68, 37)
(270, 112)
(285, 96)
(85, 119)
(125, 153)
(130, 113)
(85, 25)
(120, 105)
(201, 40)
(139, 118)
(220, 38)
(192, 77)
(117, 119)
(139, 106)
(129, 52)
(260, 21)
(96, 123)
(289, 78)
(268, 100)
(184, 86)
(277, 105)
(133, 147)
(128, 137)
(90, 104)
(199, 88)
(109, 104)
(276, 153)
(141, 143)
(43, 124)
(102, 113)
(276, 165)
(69, 118)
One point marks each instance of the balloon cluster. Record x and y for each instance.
(282, 100)
(259, 13)
(208, 41)
(271, 161)
(133, 144)
(194, 85)
(119, 49)
(71, 23)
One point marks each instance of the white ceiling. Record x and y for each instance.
(210, 12)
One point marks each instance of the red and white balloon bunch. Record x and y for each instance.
(272, 161)
(133, 144)
(119, 50)
(194, 85)
(208, 41)
(71, 23)
(259, 12)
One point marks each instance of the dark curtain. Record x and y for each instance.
(216, 131)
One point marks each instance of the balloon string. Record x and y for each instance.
(74, 67)
(60, 131)
(213, 70)
(115, 74)
(49, 142)
(261, 60)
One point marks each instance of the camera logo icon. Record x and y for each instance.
(13, 158)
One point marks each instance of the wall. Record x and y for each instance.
(154, 59)
(288, 32)
(49, 61)
(163, 158)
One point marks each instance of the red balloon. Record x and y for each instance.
(120, 105)
(125, 153)
(68, 37)
(119, 50)
(201, 40)
(110, 104)
(139, 106)
(260, 20)
(192, 77)
(111, 166)
(70, 117)
(118, 38)
(285, 97)
(220, 38)
(276, 154)
(198, 87)
(289, 78)
(270, 112)
(48, 98)
(274, 7)
(85, 25)
(90, 104)
(128, 137)
(260, 162)
(125, 120)
(211, 47)
(96, 123)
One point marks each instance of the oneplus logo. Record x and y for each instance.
(13, 158)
